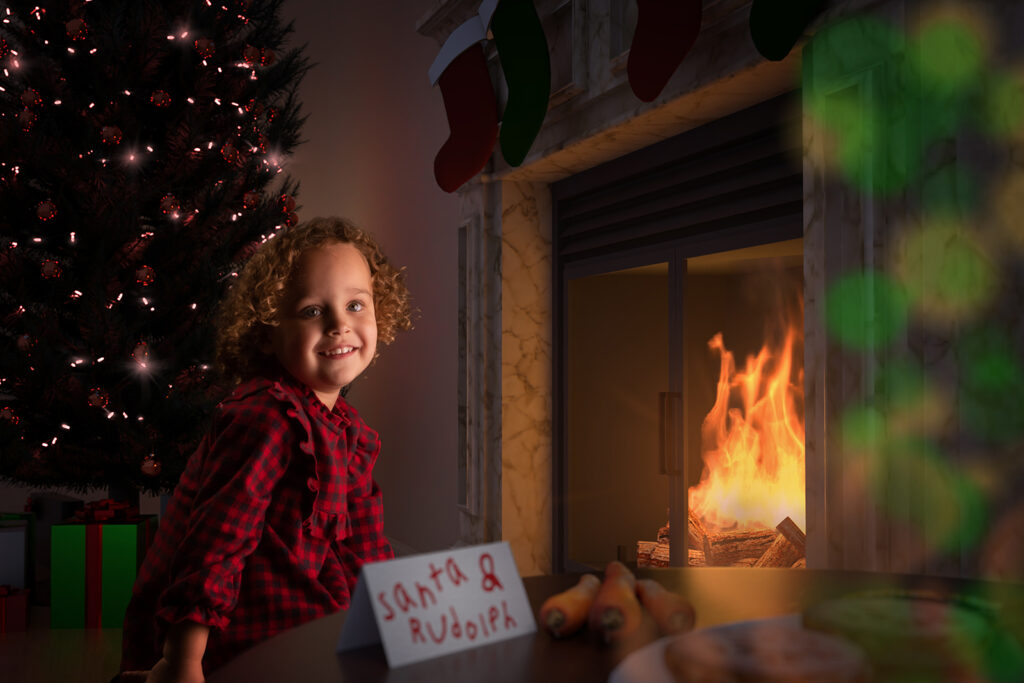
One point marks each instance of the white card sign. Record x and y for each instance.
(428, 605)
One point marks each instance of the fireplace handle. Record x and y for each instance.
(668, 402)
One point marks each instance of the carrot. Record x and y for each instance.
(671, 612)
(564, 613)
(615, 611)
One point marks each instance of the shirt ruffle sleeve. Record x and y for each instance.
(250, 447)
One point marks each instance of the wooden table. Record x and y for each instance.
(719, 594)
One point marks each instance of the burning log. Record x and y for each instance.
(793, 534)
(786, 549)
(696, 532)
(730, 547)
(652, 554)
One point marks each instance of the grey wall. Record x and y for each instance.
(375, 124)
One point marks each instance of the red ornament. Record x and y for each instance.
(292, 219)
(50, 269)
(287, 203)
(160, 98)
(145, 276)
(45, 210)
(98, 398)
(4, 49)
(31, 98)
(141, 353)
(7, 414)
(111, 135)
(251, 199)
(77, 29)
(229, 152)
(150, 466)
(169, 204)
(251, 55)
(27, 119)
(267, 57)
(205, 47)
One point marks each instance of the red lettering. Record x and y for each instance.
(483, 626)
(444, 630)
(402, 598)
(424, 593)
(471, 630)
(414, 626)
(434, 573)
(490, 580)
(382, 597)
(455, 574)
(456, 628)
(492, 614)
(508, 617)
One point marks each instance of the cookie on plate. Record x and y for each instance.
(764, 652)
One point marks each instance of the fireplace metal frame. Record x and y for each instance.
(732, 183)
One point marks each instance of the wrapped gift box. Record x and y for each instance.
(14, 572)
(13, 554)
(13, 609)
(93, 566)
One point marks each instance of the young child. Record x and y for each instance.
(277, 509)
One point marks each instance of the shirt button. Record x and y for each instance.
(313, 484)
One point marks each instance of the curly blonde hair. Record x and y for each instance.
(250, 307)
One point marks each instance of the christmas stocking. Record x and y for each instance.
(665, 32)
(776, 25)
(472, 111)
(523, 51)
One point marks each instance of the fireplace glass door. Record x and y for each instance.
(617, 365)
(684, 408)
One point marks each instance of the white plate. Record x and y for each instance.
(647, 665)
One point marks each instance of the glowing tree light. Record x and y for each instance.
(101, 107)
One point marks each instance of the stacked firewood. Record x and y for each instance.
(783, 546)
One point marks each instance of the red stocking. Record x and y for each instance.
(665, 32)
(472, 111)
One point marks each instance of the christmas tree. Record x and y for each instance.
(141, 152)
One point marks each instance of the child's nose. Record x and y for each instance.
(337, 322)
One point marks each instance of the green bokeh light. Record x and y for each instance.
(948, 56)
(947, 508)
(861, 429)
(865, 310)
(950, 192)
(1002, 111)
(946, 274)
(992, 384)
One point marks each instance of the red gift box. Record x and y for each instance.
(13, 609)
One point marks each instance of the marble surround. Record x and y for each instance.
(505, 392)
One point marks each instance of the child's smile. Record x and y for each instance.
(327, 330)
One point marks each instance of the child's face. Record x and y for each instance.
(327, 328)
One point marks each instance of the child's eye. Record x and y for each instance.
(356, 306)
(310, 312)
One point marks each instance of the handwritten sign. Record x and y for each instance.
(434, 604)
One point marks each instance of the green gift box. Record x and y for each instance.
(93, 568)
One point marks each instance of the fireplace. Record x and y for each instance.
(525, 233)
(681, 276)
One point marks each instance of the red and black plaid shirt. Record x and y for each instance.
(273, 517)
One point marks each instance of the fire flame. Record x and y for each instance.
(753, 455)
